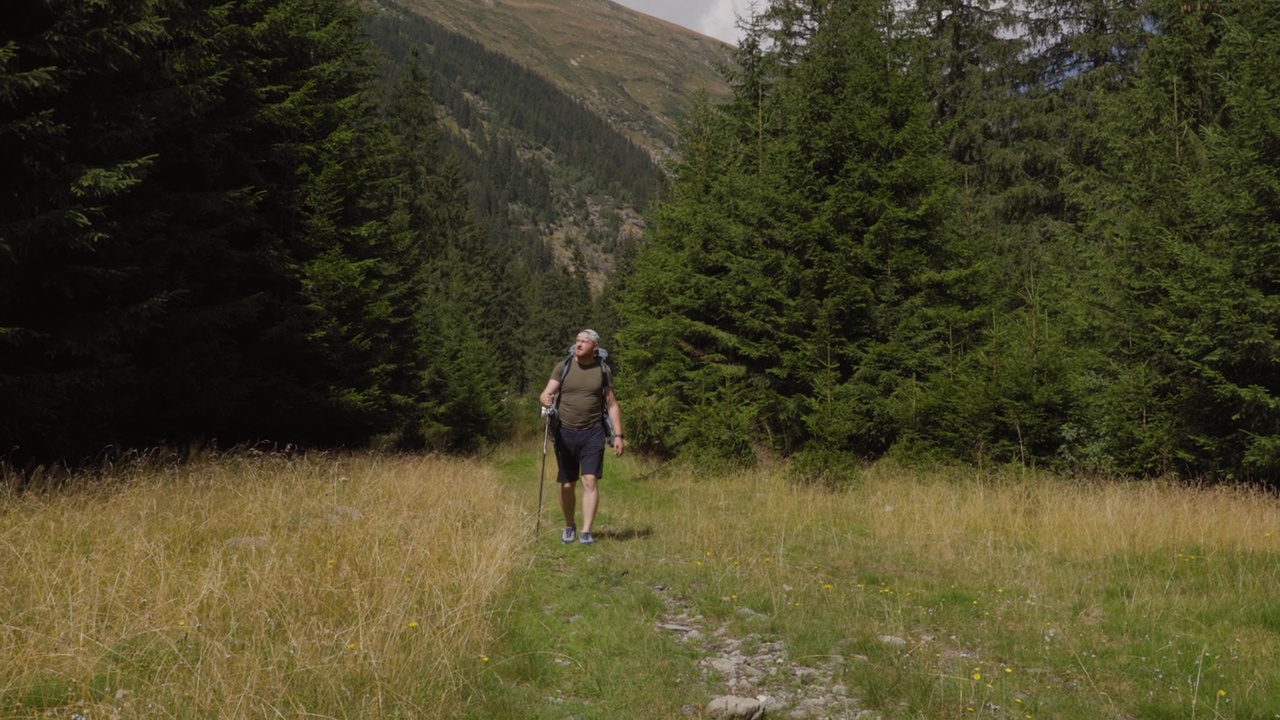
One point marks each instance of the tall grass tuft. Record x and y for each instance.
(255, 586)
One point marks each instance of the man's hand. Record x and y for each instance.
(617, 446)
(548, 395)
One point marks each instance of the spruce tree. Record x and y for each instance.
(787, 268)
(1187, 201)
(83, 109)
(196, 250)
(1018, 90)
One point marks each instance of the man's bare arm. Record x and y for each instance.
(549, 394)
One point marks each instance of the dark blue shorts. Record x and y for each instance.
(580, 452)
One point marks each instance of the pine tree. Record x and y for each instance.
(1187, 200)
(82, 107)
(196, 250)
(788, 263)
(1018, 88)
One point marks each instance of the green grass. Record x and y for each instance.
(1024, 597)
(371, 587)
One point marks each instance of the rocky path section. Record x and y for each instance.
(757, 676)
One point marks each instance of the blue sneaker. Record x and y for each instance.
(586, 539)
(568, 534)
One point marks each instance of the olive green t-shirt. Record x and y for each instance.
(581, 393)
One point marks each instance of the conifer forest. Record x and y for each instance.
(1039, 232)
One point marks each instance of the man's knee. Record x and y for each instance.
(589, 481)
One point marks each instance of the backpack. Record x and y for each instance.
(602, 356)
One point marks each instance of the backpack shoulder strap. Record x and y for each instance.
(564, 371)
(606, 373)
(602, 357)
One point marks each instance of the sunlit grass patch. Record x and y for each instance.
(1053, 592)
(256, 585)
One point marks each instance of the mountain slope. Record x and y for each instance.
(637, 71)
(549, 178)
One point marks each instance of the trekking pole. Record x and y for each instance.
(546, 430)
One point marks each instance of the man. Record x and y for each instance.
(584, 394)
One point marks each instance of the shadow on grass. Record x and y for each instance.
(624, 534)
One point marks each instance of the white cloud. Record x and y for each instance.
(720, 20)
(709, 17)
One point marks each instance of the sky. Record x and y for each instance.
(709, 17)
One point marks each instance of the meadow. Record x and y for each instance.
(254, 586)
(365, 586)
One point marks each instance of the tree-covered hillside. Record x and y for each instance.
(240, 223)
(543, 170)
(1033, 232)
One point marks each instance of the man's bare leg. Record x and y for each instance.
(590, 501)
(567, 501)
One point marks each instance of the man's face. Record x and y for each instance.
(583, 348)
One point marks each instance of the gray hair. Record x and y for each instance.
(592, 335)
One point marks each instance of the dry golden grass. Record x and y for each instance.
(1070, 520)
(255, 586)
(960, 519)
